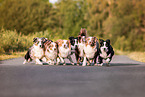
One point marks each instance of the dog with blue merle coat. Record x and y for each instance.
(36, 52)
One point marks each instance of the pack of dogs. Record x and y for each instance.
(88, 50)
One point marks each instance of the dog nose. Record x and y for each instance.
(54, 49)
(104, 49)
(65, 46)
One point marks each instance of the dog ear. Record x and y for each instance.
(56, 44)
(101, 40)
(95, 39)
(59, 42)
(70, 38)
(78, 38)
(108, 41)
(35, 39)
(44, 39)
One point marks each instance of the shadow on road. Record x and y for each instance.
(122, 64)
(111, 64)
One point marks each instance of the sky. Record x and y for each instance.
(52, 1)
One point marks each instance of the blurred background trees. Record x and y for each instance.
(122, 21)
(25, 16)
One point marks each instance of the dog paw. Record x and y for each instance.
(100, 64)
(50, 62)
(24, 62)
(39, 63)
(108, 60)
(96, 64)
(72, 63)
(108, 64)
(78, 64)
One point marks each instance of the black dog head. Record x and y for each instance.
(104, 45)
(73, 40)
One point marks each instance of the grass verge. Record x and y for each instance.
(138, 56)
(12, 55)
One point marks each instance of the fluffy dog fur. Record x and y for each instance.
(51, 51)
(79, 50)
(36, 52)
(64, 49)
(74, 43)
(90, 50)
(106, 52)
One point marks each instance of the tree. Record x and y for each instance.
(71, 15)
(98, 12)
(25, 15)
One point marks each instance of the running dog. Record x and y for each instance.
(79, 50)
(74, 43)
(106, 52)
(36, 52)
(64, 49)
(90, 51)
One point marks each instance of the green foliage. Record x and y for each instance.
(122, 21)
(11, 41)
(25, 15)
(71, 15)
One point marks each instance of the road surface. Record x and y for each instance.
(124, 78)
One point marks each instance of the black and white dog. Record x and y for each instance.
(74, 43)
(106, 52)
(36, 52)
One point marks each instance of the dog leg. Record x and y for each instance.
(70, 59)
(58, 61)
(38, 61)
(108, 62)
(24, 61)
(100, 60)
(84, 62)
(91, 62)
(44, 59)
(62, 60)
(77, 59)
(88, 61)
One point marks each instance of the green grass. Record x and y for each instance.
(138, 56)
(12, 55)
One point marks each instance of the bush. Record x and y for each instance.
(11, 41)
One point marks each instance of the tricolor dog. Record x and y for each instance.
(79, 51)
(51, 51)
(90, 50)
(36, 52)
(74, 43)
(64, 49)
(106, 52)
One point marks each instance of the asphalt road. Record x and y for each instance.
(124, 78)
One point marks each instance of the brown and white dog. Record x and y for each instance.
(90, 50)
(64, 49)
(79, 51)
(51, 52)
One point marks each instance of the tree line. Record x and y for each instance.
(122, 21)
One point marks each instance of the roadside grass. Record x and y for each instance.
(6, 56)
(138, 56)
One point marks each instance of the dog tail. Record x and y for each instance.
(27, 56)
